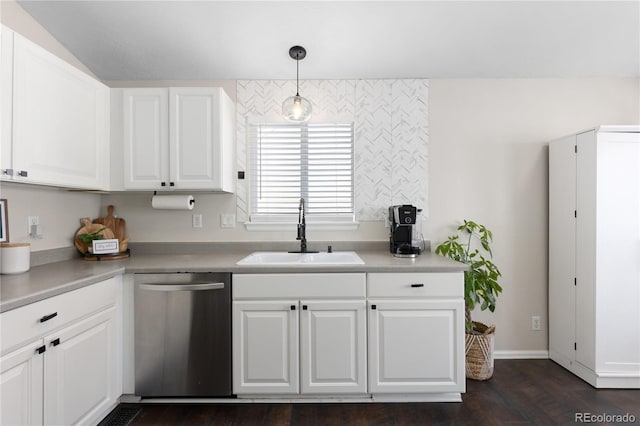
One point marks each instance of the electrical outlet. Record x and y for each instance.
(32, 221)
(196, 221)
(535, 322)
(227, 220)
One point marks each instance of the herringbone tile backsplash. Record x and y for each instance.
(391, 125)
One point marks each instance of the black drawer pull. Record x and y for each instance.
(55, 342)
(417, 285)
(293, 307)
(23, 173)
(304, 307)
(163, 183)
(41, 349)
(48, 317)
(373, 306)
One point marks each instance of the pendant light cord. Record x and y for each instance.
(297, 74)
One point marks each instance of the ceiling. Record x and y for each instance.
(211, 40)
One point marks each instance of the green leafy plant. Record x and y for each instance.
(87, 238)
(481, 280)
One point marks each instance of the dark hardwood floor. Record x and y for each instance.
(521, 392)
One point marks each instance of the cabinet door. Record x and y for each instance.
(333, 347)
(6, 107)
(265, 347)
(146, 138)
(21, 386)
(416, 346)
(60, 121)
(80, 371)
(195, 155)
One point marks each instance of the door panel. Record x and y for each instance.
(333, 344)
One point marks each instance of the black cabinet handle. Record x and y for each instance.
(373, 306)
(417, 285)
(172, 184)
(163, 183)
(304, 307)
(41, 349)
(48, 317)
(293, 307)
(55, 342)
(23, 173)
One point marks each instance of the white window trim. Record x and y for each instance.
(346, 222)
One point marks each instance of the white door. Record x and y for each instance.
(6, 105)
(146, 138)
(80, 371)
(60, 121)
(414, 346)
(265, 347)
(333, 347)
(21, 386)
(195, 158)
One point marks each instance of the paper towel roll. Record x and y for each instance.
(173, 202)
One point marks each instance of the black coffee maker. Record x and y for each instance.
(405, 234)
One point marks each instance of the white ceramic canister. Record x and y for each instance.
(15, 258)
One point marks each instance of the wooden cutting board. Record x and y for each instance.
(116, 224)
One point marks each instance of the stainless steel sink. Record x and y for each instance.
(278, 258)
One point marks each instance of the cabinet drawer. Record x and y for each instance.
(415, 284)
(24, 323)
(298, 286)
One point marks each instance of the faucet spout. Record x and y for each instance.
(302, 228)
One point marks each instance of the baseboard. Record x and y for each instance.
(521, 354)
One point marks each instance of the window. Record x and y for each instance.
(293, 161)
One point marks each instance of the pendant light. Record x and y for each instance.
(296, 108)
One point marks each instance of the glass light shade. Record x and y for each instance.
(296, 109)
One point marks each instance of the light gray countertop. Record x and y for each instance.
(44, 281)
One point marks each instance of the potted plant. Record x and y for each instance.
(480, 288)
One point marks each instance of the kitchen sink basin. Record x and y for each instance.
(278, 258)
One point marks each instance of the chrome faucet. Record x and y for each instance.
(302, 229)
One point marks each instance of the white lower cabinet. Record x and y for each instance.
(69, 369)
(413, 345)
(80, 371)
(416, 333)
(265, 347)
(304, 344)
(385, 336)
(21, 385)
(333, 339)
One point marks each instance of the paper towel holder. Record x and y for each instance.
(190, 201)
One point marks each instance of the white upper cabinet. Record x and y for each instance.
(146, 138)
(6, 107)
(55, 129)
(178, 138)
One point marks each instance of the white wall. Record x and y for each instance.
(488, 162)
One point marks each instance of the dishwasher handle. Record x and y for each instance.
(182, 287)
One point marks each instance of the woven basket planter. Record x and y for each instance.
(479, 352)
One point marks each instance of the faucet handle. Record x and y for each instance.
(329, 249)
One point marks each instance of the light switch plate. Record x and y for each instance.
(227, 220)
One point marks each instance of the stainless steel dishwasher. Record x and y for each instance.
(182, 334)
